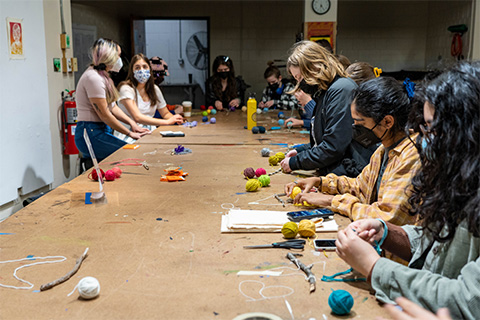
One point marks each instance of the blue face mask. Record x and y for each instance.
(142, 76)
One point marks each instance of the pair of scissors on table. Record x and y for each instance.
(290, 244)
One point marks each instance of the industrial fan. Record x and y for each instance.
(197, 50)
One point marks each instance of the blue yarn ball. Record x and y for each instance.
(213, 120)
(341, 302)
(213, 111)
(205, 119)
(255, 130)
(281, 115)
(281, 122)
(261, 129)
(265, 110)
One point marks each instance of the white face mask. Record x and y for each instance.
(142, 76)
(117, 66)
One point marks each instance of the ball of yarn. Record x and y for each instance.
(244, 108)
(273, 160)
(110, 175)
(204, 113)
(118, 171)
(260, 171)
(213, 120)
(259, 110)
(194, 123)
(202, 107)
(249, 173)
(281, 115)
(265, 110)
(210, 108)
(341, 302)
(280, 156)
(205, 118)
(232, 108)
(255, 130)
(281, 122)
(94, 176)
(306, 228)
(265, 152)
(88, 288)
(208, 111)
(252, 185)
(289, 124)
(261, 129)
(295, 191)
(213, 111)
(264, 180)
(290, 230)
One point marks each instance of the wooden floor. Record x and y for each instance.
(156, 247)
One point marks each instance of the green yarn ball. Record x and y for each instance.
(264, 180)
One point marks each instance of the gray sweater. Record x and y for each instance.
(449, 278)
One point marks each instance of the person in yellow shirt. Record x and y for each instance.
(380, 111)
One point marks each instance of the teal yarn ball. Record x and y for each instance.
(213, 111)
(341, 302)
(281, 122)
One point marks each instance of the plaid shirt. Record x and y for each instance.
(285, 101)
(356, 197)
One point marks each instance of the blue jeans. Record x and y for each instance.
(104, 143)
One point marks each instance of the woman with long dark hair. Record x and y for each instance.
(224, 90)
(444, 249)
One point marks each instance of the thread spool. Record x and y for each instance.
(280, 156)
(273, 160)
(249, 173)
(213, 111)
(94, 176)
(110, 175)
(290, 230)
(252, 185)
(264, 180)
(341, 302)
(265, 152)
(118, 171)
(295, 191)
(306, 228)
(213, 120)
(88, 288)
(260, 171)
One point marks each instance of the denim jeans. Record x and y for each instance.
(104, 143)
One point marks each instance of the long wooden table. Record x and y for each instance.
(156, 247)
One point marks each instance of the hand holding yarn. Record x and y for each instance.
(370, 230)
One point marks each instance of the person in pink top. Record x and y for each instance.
(97, 111)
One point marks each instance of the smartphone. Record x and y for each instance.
(297, 216)
(324, 244)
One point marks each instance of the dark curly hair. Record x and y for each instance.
(231, 90)
(380, 97)
(446, 189)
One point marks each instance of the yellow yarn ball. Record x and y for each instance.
(290, 230)
(295, 191)
(280, 156)
(252, 185)
(273, 160)
(306, 228)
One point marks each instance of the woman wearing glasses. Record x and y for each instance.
(224, 90)
(443, 250)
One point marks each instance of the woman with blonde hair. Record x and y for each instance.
(97, 110)
(331, 148)
(140, 97)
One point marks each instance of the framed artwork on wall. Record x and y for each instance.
(15, 38)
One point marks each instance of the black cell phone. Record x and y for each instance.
(297, 216)
(324, 244)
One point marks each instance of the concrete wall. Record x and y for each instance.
(476, 32)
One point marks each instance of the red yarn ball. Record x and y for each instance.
(260, 171)
(118, 171)
(202, 107)
(94, 176)
(210, 108)
(110, 175)
(249, 173)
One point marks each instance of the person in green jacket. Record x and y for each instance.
(443, 250)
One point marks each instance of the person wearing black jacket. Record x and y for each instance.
(331, 149)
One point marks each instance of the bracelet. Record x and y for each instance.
(385, 233)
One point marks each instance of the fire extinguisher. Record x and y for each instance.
(69, 123)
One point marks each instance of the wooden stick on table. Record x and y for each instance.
(308, 270)
(67, 276)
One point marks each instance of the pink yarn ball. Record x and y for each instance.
(260, 171)
(118, 171)
(110, 175)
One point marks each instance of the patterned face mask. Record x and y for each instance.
(142, 76)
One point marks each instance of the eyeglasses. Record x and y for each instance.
(426, 132)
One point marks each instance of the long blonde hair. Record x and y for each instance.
(105, 53)
(317, 65)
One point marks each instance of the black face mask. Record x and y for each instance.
(223, 74)
(273, 87)
(158, 76)
(365, 136)
(308, 88)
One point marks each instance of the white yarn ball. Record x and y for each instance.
(88, 288)
(265, 152)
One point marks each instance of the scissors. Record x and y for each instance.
(290, 244)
